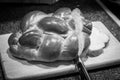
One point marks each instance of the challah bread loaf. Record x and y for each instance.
(61, 35)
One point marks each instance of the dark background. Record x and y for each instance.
(12, 13)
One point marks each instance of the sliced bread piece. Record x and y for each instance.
(98, 41)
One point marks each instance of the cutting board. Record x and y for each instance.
(20, 69)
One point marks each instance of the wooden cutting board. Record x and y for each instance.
(19, 69)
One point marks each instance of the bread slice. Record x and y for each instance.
(98, 41)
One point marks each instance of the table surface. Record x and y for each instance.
(11, 15)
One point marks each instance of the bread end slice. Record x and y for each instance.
(98, 41)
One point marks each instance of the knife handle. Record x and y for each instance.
(82, 70)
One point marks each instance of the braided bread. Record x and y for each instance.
(50, 37)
